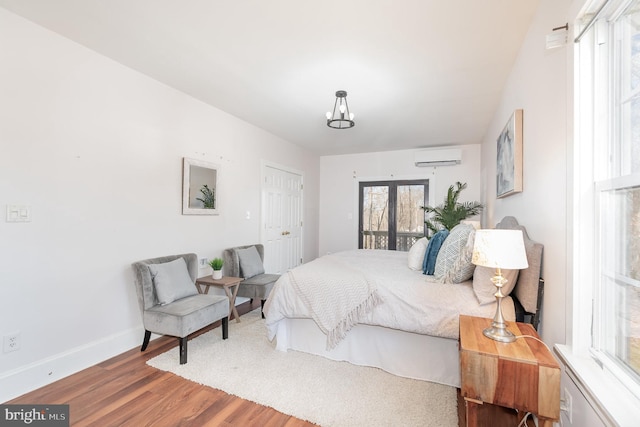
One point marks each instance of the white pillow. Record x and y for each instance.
(416, 254)
(250, 262)
(484, 288)
(453, 264)
(172, 281)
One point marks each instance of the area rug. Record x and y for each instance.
(309, 387)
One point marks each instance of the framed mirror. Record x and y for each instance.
(199, 187)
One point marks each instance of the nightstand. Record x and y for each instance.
(230, 286)
(522, 375)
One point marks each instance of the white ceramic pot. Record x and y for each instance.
(217, 274)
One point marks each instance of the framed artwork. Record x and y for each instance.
(199, 187)
(509, 158)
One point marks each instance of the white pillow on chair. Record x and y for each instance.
(172, 281)
(250, 262)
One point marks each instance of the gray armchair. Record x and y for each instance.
(246, 262)
(170, 303)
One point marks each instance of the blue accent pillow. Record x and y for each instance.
(430, 256)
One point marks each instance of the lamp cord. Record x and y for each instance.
(535, 338)
(523, 423)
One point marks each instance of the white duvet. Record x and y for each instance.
(411, 301)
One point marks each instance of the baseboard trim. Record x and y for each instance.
(40, 373)
(30, 377)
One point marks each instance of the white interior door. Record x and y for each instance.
(282, 219)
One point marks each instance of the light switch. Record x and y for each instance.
(248, 215)
(18, 213)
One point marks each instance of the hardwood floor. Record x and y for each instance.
(125, 391)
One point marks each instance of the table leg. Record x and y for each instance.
(232, 301)
(471, 408)
(206, 288)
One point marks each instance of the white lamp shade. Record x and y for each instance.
(499, 249)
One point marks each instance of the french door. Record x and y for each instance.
(282, 219)
(391, 216)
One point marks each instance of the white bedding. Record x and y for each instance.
(335, 308)
(411, 301)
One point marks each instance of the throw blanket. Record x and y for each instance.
(337, 296)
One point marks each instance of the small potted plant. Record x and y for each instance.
(216, 265)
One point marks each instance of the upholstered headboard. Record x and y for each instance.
(529, 288)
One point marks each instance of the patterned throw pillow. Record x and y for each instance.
(453, 264)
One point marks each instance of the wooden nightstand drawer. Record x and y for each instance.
(522, 375)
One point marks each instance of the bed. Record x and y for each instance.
(403, 322)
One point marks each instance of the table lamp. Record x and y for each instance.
(499, 249)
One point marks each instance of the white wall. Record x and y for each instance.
(96, 150)
(340, 175)
(538, 84)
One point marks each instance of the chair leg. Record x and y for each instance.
(145, 341)
(225, 328)
(262, 308)
(183, 350)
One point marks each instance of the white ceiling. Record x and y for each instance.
(418, 73)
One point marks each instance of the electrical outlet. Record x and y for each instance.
(11, 342)
(567, 405)
(204, 262)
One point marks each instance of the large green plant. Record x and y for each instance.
(451, 212)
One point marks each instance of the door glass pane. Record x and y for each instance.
(409, 216)
(375, 217)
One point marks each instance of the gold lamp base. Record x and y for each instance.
(498, 330)
(501, 334)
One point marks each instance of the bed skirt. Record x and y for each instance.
(401, 353)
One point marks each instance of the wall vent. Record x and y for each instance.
(438, 157)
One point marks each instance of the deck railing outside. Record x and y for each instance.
(380, 240)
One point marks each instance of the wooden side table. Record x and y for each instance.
(522, 375)
(230, 286)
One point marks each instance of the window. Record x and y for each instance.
(608, 93)
(391, 216)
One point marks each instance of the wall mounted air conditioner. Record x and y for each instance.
(438, 157)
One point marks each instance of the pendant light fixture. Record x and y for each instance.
(341, 117)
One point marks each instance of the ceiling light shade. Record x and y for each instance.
(341, 118)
